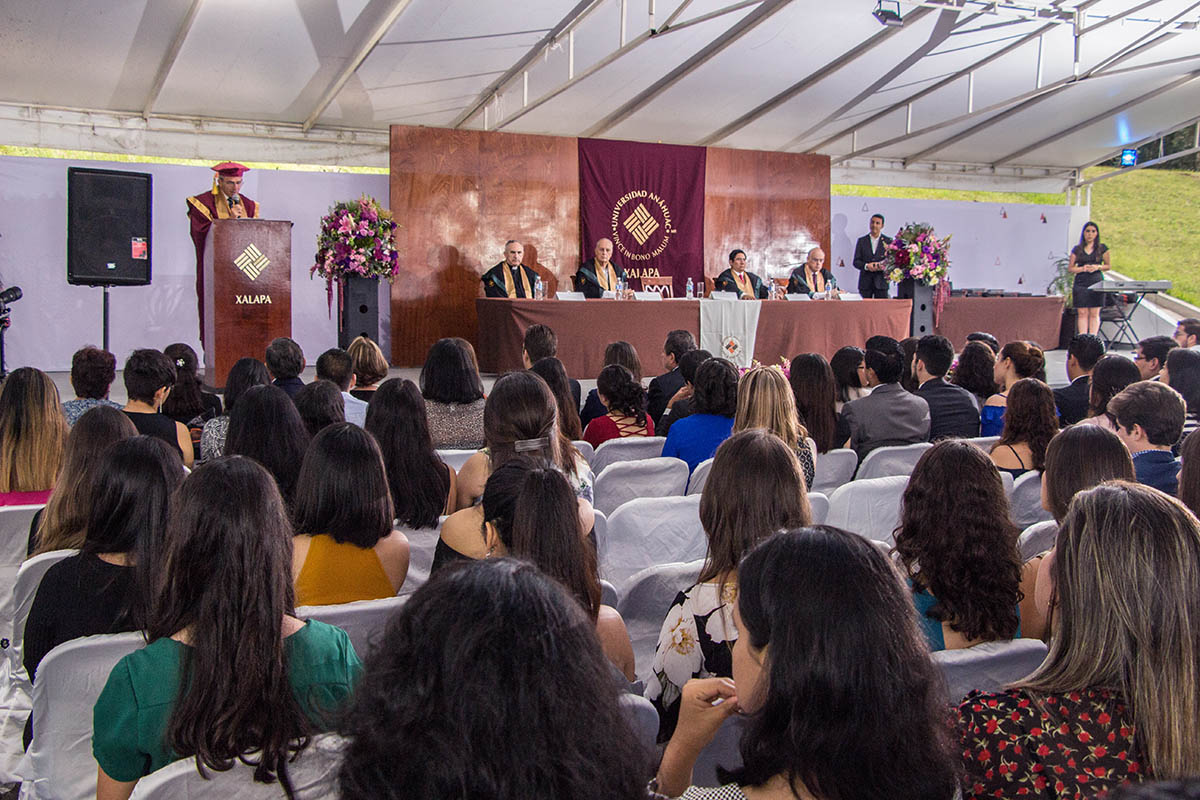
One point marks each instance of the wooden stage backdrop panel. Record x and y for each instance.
(457, 197)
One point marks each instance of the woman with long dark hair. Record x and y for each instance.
(1029, 424)
(1182, 373)
(625, 400)
(490, 682)
(453, 393)
(958, 548)
(815, 391)
(1111, 374)
(1089, 260)
(33, 433)
(1016, 361)
(188, 402)
(695, 438)
(840, 696)
(266, 426)
(229, 673)
(975, 370)
(422, 486)
(245, 372)
(622, 353)
(849, 369)
(320, 404)
(1189, 473)
(551, 370)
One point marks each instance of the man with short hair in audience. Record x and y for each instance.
(285, 362)
(92, 373)
(664, 387)
(541, 342)
(1151, 355)
(1083, 352)
(1149, 420)
(1187, 333)
(889, 415)
(336, 365)
(680, 405)
(953, 411)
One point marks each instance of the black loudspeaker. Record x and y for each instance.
(108, 227)
(360, 298)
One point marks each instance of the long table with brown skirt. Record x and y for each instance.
(1035, 319)
(585, 328)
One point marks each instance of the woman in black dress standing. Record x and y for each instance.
(1089, 259)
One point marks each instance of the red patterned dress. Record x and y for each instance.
(1074, 745)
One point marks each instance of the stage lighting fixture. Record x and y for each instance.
(1129, 157)
(888, 13)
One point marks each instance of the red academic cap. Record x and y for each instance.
(230, 169)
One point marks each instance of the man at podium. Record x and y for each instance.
(225, 201)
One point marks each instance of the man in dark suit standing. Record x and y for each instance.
(953, 411)
(664, 387)
(1083, 352)
(868, 260)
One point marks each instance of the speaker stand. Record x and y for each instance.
(106, 287)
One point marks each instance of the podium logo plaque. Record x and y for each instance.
(252, 262)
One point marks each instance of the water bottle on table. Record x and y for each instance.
(691, 289)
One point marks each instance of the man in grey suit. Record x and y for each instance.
(953, 411)
(889, 415)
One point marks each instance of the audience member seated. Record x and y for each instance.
(958, 548)
(765, 401)
(320, 405)
(625, 400)
(1187, 333)
(551, 371)
(453, 393)
(814, 391)
(680, 405)
(1189, 473)
(695, 438)
(812, 277)
(245, 372)
(908, 347)
(1151, 355)
(600, 273)
(266, 427)
(422, 486)
(335, 366)
(541, 342)
(229, 670)
(92, 373)
(888, 416)
(850, 371)
(1182, 373)
(737, 279)
(1111, 374)
(285, 362)
(61, 525)
(953, 411)
(490, 682)
(840, 695)
(1116, 698)
(975, 371)
(149, 376)
(1017, 360)
(1083, 352)
(1149, 417)
(986, 338)
(188, 402)
(370, 367)
(1029, 425)
(755, 489)
(345, 548)
(664, 387)
(622, 353)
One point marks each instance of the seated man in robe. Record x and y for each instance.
(510, 278)
(812, 278)
(600, 273)
(737, 279)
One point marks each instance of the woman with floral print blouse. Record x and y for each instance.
(755, 488)
(1116, 700)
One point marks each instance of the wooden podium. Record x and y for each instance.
(247, 291)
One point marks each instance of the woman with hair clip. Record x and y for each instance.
(755, 488)
(422, 485)
(837, 705)
(62, 524)
(625, 400)
(245, 372)
(622, 353)
(1111, 374)
(490, 682)
(265, 426)
(1016, 360)
(345, 548)
(814, 390)
(149, 377)
(551, 370)
(764, 400)
(230, 673)
(1116, 699)
(453, 393)
(1029, 424)
(33, 433)
(188, 402)
(958, 549)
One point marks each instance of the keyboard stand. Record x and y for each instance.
(1122, 318)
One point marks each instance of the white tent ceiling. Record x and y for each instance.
(1019, 93)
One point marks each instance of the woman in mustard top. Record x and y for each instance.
(345, 548)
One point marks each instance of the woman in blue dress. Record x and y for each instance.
(1017, 360)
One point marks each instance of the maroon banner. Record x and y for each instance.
(649, 200)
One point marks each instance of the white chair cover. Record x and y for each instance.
(988, 667)
(722, 752)
(422, 542)
(820, 507)
(363, 620)
(1025, 505)
(833, 469)
(1037, 538)
(649, 477)
(313, 776)
(609, 596)
(600, 528)
(455, 458)
(985, 443)
(870, 507)
(585, 449)
(649, 531)
(883, 462)
(59, 764)
(1006, 478)
(644, 604)
(630, 448)
(699, 477)
(643, 719)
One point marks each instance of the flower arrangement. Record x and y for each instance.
(355, 240)
(918, 253)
